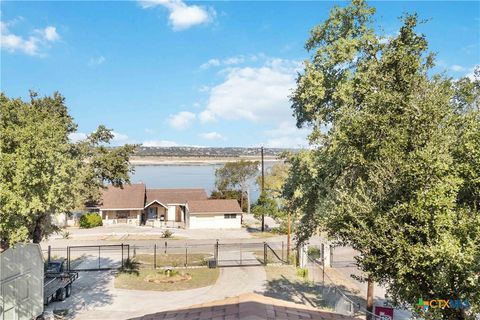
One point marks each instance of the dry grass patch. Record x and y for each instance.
(174, 260)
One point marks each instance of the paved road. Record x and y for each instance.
(94, 295)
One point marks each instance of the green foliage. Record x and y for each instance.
(268, 207)
(235, 175)
(395, 169)
(130, 266)
(232, 181)
(90, 220)
(275, 178)
(314, 252)
(302, 273)
(167, 234)
(43, 173)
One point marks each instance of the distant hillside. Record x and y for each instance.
(207, 152)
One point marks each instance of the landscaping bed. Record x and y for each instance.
(160, 280)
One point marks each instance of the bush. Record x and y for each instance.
(314, 252)
(303, 273)
(167, 234)
(90, 220)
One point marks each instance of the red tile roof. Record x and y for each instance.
(175, 196)
(213, 206)
(250, 306)
(131, 196)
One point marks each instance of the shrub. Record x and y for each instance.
(167, 234)
(313, 252)
(90, 220)
(66, 234)
(303, 273)
(130, 266)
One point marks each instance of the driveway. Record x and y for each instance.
(94, 295)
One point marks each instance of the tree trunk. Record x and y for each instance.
(38, 230)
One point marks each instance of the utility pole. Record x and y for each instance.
(263, 189)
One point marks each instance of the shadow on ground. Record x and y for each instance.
(91, 290)
(315, 294)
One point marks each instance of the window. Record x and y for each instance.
(230, 216)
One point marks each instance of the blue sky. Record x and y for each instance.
(193, 73)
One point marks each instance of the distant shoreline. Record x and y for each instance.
(160, 161)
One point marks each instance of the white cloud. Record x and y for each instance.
(160, 143)
(287, 135)
(77, 136)
(210, 63)
(31, 45)
(212, 136)
(235, 60)
(181, 120)
(253, 94)
(50, 34)
(120, 139)
(183, 16)
(95, 61)
(457, 68)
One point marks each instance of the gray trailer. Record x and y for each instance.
(58, 282)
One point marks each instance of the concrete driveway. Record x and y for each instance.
(94, 295)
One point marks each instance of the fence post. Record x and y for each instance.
(215, 253)
(265, 253)
(68, 258)
(331, 255)
(49, 252)
(323, 264)
(155, 256)
(128, 251)
(122, 255)
(165, 247)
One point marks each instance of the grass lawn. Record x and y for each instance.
(174, 260)
(189, 279)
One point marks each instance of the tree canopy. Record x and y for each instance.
(43, 173)
(394, 168)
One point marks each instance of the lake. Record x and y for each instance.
(185, 176)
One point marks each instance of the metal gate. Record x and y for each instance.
(239, 254)
(94, 258)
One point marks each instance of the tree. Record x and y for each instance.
(42, 173)
(271, 203)
(394, 170)
(236, 176)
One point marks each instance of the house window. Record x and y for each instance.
(230, 216)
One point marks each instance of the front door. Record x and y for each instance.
(152, 213)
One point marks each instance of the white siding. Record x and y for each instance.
(21, 282)
(214, 221)
(171, 213)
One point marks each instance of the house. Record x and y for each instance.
(123, 205)
(168, 206)
(180, 208)
(214, 213)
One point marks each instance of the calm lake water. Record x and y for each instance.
(185, 176)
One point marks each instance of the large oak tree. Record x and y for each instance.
(394, 169)
(43, 173)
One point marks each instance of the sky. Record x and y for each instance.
(168, 72)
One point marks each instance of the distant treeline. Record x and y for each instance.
(209, 152)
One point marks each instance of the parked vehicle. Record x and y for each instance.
(58, 281)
